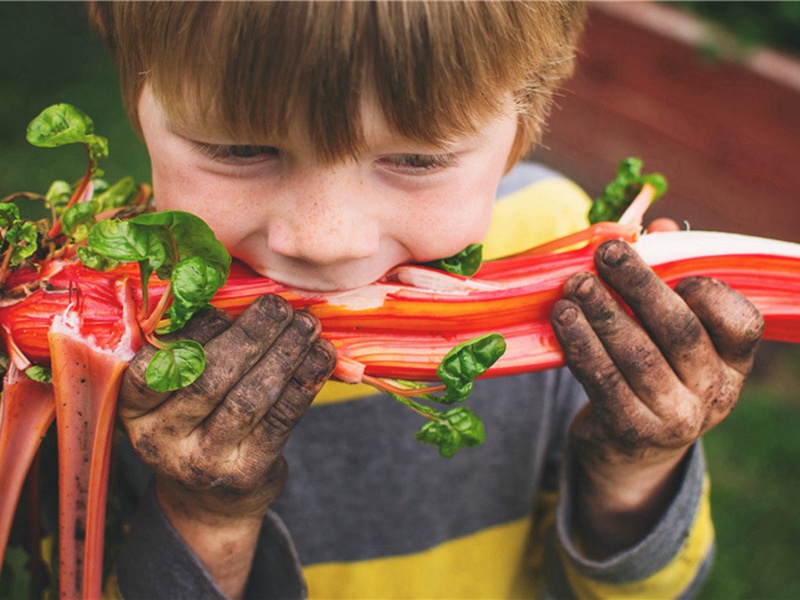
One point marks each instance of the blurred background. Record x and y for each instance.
(706, 93)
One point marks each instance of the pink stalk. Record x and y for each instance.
(82, 193)
(83, 321)
(26, 412)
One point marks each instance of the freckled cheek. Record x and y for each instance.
(218, 205)
(438, 230)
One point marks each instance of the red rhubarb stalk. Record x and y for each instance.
(86, 379)
(26, 412)
(400, 328)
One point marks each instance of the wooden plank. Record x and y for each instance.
(726, 135)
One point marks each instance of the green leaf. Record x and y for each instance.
(59, 125)
(79, 219)
(39, 373)
(100, 186)
(467, 361)
(191, 236)
(93, 260)
(58, 195)
(98, 150)
(23, 239)
(9, 214)
(63, 124)
(618, 195)
(162, 256)
(175, 366)
(194, 280)
(452, 430)
(118, 195)
(465, 263)
(121, 240)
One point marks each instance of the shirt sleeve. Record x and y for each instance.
(537, 205)
(156, 563)
(670, 562)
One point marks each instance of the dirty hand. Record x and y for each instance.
(215, 446)
(655, 386)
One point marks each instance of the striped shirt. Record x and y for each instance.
(369, 512)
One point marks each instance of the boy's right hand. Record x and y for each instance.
(216, 445)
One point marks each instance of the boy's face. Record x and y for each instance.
(325, 227)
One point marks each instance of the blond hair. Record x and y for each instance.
(439, 69)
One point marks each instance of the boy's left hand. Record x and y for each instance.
(656, 385)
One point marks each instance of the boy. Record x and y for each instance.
(324, 144)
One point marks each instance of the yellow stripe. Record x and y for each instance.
(670, 581)
(336, 391)
(488, 564)
(111, 589)
(536, 214)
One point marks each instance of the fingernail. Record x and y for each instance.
(574, 282)
(567, 316)
(274, 306)
(614, 254)
(584, 289)
(324, 353)
(305, 323)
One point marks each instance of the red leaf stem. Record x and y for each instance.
(390, 329)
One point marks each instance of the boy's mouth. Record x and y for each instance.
(315, 284)
(321, 278)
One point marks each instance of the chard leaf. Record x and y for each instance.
(175, 366)
(465, 362)
(58, 195)
(177, 246)
(465, 263)
(63, 124)
(452, 430)
(191, 236)
(618, 195)
(195, 280)
(9, 214)
(93, 260)
(78, 220)
(59, 125)
(162, 256)
(39, 373)
(23, 241)
(118, 195)
(99, 185)
(120, 240)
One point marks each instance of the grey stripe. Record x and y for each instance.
(361, 487)
(523, 175)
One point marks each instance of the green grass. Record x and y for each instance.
(753, 459)
(48, 56)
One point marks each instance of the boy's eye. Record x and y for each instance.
(237, 153)
(417, 163)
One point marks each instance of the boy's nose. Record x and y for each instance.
(325, 230)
